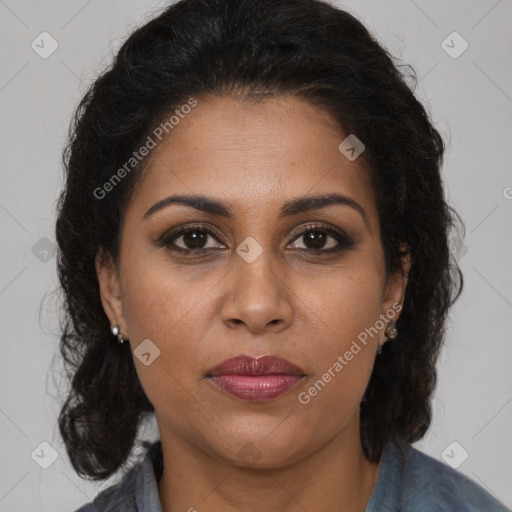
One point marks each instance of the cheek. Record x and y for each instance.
(172, 307)
(157, 296)
(341, 306)
(340, 323)
(164, 309)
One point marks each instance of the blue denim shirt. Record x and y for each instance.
(413, 483)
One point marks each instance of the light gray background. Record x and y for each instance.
(470, 99)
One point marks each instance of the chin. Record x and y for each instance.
(267, 451)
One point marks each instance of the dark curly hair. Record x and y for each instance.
(253, 49)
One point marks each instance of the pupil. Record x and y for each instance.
(194, 239)
(316, 237)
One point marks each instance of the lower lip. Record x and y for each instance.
(256, 388)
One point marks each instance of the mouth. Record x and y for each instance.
(256, 379)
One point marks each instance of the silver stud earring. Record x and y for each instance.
(117, 332)
(391, 331)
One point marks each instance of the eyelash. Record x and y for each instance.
(345, 242)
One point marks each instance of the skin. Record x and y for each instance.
(290, 301)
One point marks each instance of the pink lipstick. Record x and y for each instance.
(255, 379)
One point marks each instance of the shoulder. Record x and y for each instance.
(427, 484)
(117, 498)
(138, 487)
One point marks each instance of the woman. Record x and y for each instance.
(254, 247)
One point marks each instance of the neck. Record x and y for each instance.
(336, 477)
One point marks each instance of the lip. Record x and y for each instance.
(256, 378)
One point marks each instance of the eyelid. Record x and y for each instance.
(322, 227)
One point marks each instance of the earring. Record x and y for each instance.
(391, 331)
(117, 332)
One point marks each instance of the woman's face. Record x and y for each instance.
(272, 274)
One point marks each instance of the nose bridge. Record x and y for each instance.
(259, 295)
(256, 265)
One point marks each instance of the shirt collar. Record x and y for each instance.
(146, 485)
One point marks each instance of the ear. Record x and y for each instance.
(394, 292)
(110, 289)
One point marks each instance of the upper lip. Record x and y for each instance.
(248, 365)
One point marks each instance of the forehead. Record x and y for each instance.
(250, 155)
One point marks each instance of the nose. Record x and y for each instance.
(259, 299)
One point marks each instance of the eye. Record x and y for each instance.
(315, 237)
(191, 239)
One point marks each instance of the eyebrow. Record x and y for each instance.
(289, 208)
